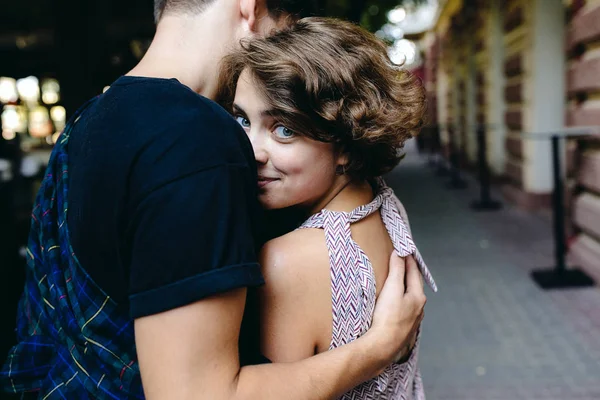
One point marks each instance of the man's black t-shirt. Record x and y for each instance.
(162, 198)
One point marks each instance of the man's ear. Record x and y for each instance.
(249, 11)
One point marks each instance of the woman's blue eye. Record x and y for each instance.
(243, 121)
(283, 132)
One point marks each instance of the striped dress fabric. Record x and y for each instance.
(354, 293)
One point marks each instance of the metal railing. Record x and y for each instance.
(560, 276)
(452, 169)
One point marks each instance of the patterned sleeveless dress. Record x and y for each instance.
(353, 289)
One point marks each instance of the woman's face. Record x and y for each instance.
(293, 170)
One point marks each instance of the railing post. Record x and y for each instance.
(559, 276)
(440, 161)
(558, 207)
(456, 181)
(485, 201)
(431, 142)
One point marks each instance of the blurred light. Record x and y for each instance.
(59, 117)
(5, 170)
(8, 134)
(40, 124)
(403, 52)
(116, 60)
(138, 48)
(23, 119)
(396, 15)
(417, 17)
(29, 89)
(397, 32)
(50, 91)
(50, 97)
(30, 166)
(373, 10)
(8, 90)
(21, 42)
(27, 145)
(11, 119)
(55, 137)
(392, 31)
(58, 113)
(105, 89)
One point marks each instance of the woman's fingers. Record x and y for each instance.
(397, 271)
(414, 280)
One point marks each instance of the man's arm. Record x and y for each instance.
(192, 352)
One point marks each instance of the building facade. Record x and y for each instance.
(523, 69)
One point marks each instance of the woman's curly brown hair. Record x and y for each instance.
(332, 81)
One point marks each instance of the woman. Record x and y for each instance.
(327, 112)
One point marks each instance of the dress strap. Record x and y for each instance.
(396, 225)
(318, 220)
(352, 281)
(315, 221)
(401, 237)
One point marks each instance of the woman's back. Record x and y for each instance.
(342, 278)
(371, 235)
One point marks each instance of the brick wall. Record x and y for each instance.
(446, 67)
(515, 34)
(480, 52)
(583, 97)
(431, 70)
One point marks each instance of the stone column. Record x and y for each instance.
(470, 94)
(547, 89)
(495, 88)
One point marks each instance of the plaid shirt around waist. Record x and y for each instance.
(73, 340)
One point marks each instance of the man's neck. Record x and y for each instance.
(188, 50)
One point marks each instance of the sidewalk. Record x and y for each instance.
(490, 332)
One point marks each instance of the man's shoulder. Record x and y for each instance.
(160, 121)
(156, 131)
(160, 105)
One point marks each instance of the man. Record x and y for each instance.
(144, 279)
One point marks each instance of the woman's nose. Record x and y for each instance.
(258, 145)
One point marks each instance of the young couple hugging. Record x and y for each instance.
(215, 225)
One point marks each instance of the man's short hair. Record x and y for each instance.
(296, 8)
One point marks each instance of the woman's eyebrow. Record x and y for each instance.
(268, 113)
(238, 109)
(271, 112)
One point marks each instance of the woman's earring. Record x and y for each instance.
(340, 170)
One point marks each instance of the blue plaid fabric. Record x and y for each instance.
(73, 341)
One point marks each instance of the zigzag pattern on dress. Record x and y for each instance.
(353, 291)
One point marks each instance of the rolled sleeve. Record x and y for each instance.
(193, 237)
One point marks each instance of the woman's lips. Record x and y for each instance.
(264, 181)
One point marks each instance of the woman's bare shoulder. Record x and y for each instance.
(296, 257)
(296, 297)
